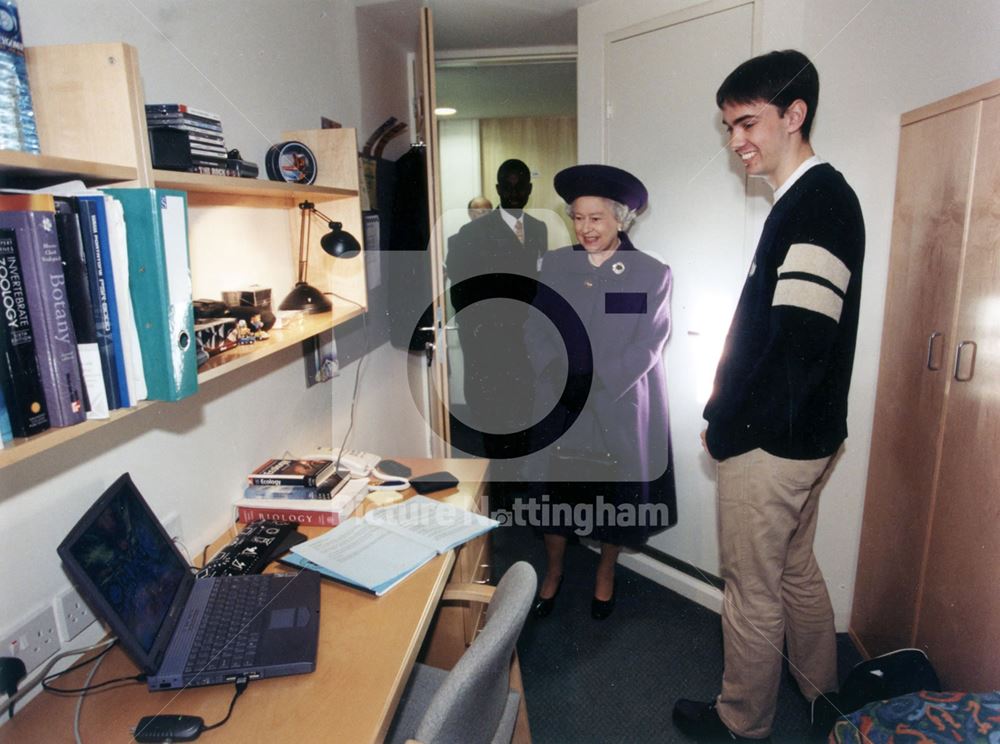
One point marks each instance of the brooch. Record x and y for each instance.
(618, 267)
(588, 283)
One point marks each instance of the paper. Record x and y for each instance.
(377, 551)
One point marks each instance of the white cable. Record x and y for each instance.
(79, 702)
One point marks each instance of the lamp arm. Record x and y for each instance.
(323, 216)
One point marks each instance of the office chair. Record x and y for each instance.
(472, 703)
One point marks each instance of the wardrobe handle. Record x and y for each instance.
(930, 351)
(958, 361)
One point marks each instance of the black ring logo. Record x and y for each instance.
(576, 341)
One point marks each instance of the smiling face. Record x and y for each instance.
(768, 143)
(595, 224)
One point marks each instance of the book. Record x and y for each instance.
(81, 306)
(93, 205)
(160, 289)
(93, 230)
(324, 491)
(32, 217)
(291, 472)
(19, 380)
(18, 129)
(377, 551)
(118, 255)
(316, 512)
(6, 433)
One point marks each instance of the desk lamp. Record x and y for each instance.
(338, 243)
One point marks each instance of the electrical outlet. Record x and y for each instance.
(35, 640)
(72, 614)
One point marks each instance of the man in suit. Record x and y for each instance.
(497, 378)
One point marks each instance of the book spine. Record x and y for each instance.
(90, 237)
(22, 388)
(294, 493)
(55, 339)
(111, 295)
(6, 433)
(284, 514)
(74, 264)
(18, 130)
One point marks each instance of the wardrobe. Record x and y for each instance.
(929, 560)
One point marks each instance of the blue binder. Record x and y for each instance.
(160, 285)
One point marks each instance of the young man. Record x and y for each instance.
(778, 412)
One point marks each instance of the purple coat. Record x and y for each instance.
(624, 306)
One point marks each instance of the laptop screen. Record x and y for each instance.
(126, 558)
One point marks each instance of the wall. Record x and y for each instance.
(264, 69)
(876, 61)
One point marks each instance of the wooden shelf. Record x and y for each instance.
(300, 330)
(197, 183)
(26, 170)
(219, 366)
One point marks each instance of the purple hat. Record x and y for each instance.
(601, 180)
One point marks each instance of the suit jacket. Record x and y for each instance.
(488, 246)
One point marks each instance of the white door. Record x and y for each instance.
(663, 125)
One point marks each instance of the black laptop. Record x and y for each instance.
(182, 631)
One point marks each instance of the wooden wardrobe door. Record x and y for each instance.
(959, 617)
(932, 188)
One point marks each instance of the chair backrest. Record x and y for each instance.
(470, 702)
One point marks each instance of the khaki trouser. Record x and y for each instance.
(775, 591)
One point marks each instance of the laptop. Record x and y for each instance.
(133, 577)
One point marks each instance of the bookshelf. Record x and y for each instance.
(105, 142)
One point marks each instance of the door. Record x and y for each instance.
(932, 186)
(663, 125)
(437, 356)
(959, 615)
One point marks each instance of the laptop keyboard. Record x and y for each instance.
(227, 638)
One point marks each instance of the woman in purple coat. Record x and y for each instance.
(602, 452)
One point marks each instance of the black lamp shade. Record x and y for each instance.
(339, 243)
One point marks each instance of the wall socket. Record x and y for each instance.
(72, 614)
(35, 640)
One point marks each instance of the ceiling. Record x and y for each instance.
(500, 24)
(479, 91)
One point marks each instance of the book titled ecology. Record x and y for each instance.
(311, 512)
(292, 472)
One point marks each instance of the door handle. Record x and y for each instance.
(930, 351)
(431, 329)
(958, 361)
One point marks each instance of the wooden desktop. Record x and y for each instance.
(367, 648)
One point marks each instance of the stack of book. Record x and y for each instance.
(204, 148)
(306, 491)
(89, 323)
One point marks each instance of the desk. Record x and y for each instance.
(367, 648)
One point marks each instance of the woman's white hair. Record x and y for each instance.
(623, 214)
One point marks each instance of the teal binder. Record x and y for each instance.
(160, 285)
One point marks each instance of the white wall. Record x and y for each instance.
(272, 67)
(876, 60)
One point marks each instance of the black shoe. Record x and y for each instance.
(543, 605)
(701, 722)
(601, 608)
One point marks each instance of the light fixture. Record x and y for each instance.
(445, 111)
(338, 243)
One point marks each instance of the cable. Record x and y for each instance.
(24, 689)
(98, 660)
(241, 685)
(357, 374)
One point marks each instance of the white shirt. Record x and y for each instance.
(510, 219)
(796, 175)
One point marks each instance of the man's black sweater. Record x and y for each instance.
(785, 372)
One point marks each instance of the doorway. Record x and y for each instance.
(514, 107)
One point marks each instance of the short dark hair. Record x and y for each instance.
(776, 77)
(513, 166)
